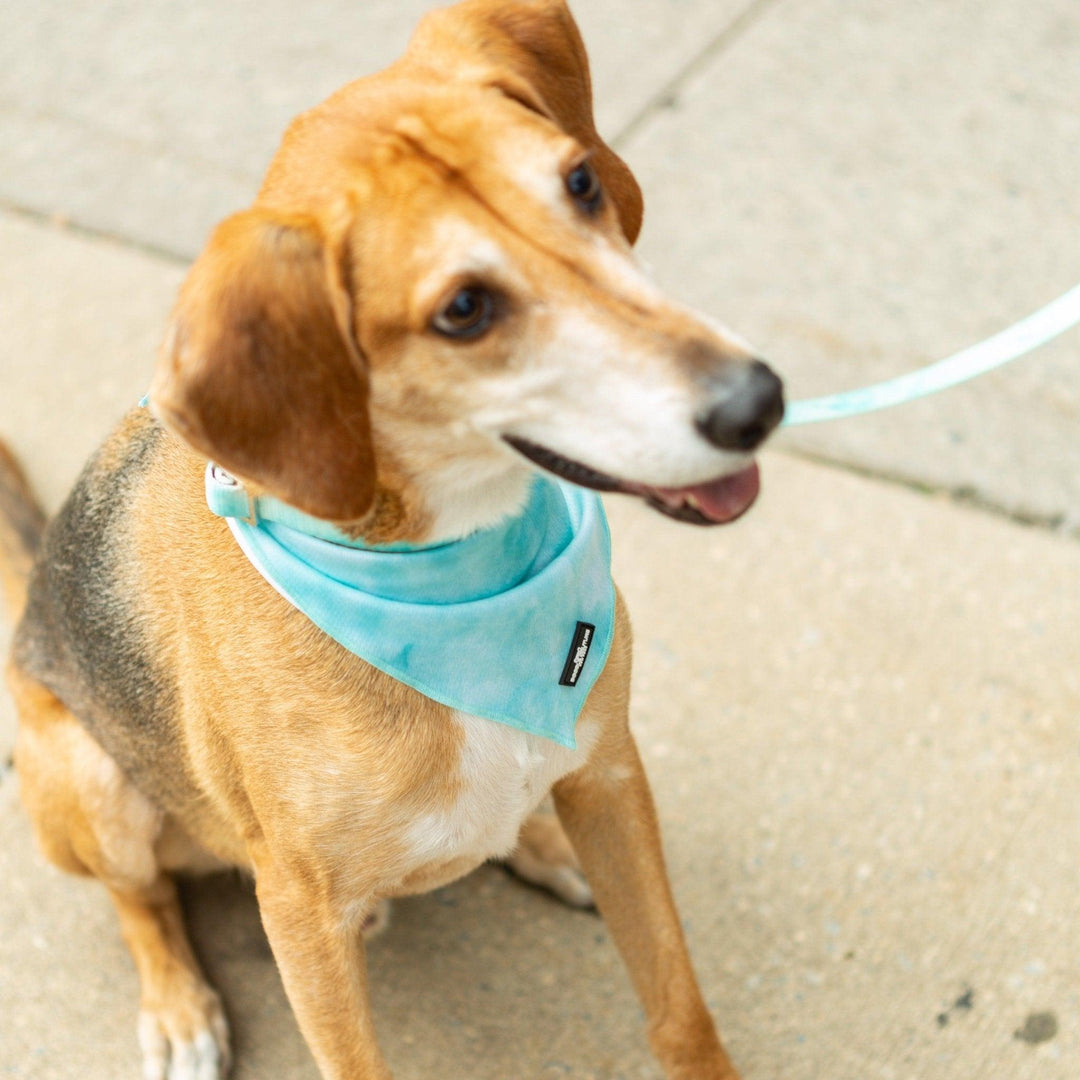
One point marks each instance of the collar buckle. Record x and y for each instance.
(227, 497)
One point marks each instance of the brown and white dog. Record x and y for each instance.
(433, 294)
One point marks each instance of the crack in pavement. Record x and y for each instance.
(669, 92)
(1058, 524)
(63, 223)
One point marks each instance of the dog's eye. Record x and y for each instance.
(584, 186)
(467, 315)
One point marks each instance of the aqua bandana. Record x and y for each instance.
(512, 623)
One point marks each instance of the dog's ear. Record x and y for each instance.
(532, 51)
(260, 370)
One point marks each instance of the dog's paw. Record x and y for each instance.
(185, 1040)
(545, 858)
(566, 882)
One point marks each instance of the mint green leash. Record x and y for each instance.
(496, 650)
(1019, 339)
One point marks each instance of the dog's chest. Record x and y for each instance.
(503, 775)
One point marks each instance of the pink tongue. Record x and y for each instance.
(723, 500)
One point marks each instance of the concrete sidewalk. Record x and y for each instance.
(859, 188)
(858, 707)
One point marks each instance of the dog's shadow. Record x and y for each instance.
(486, 978)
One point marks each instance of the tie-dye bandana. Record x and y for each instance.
(512, 623)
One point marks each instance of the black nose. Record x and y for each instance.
(749, 405)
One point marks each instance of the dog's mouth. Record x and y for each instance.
(714, 503)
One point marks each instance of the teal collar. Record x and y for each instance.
(228, 499)
(512, 623)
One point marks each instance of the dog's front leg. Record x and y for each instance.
(319, 950)
(608, 813)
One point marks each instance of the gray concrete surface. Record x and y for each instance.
(858, 707)
(153, 121)
(864, 188)
(860, 188)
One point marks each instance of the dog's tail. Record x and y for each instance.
(22, 521)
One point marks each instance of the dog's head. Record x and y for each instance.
(436, 288)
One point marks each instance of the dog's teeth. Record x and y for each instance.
(692, 502)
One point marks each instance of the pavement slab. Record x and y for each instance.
(153, 121)
(863, 188)
(858, 710)
(858, 188)
(82, 318)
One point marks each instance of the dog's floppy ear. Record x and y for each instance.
(260, 371)
(532, 51)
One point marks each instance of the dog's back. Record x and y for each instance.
(78, 634)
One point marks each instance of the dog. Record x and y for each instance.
(431, 308)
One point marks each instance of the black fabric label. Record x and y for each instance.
(579, 652)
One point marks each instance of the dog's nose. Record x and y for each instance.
(750, 405)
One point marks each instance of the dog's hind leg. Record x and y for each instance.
(90, 820)
(544, 857)
(182, 1029)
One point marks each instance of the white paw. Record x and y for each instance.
(563, 880)
(569, 885)
(174, 1050)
